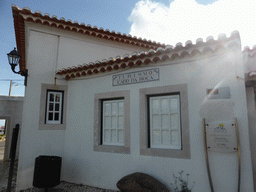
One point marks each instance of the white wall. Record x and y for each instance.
(100, 169)
(41, 59)
(11, 110)
(81, 49)
(76, 49)
(48, 49)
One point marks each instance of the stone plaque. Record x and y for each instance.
(136, 77)
(221, 136)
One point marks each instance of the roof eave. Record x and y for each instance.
(19, 27)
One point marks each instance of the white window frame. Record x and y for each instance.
(53, 111)
(113, 125)
(157, 125)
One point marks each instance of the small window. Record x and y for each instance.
(54, 107)
(113, 122)
(53, 102)
(164, 117)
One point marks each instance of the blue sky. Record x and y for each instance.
(166, 21)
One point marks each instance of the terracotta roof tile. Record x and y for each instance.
(250, 52)
(25, 14)
(211, 46)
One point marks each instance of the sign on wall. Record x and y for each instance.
(219, 93)
(136, 77)
(221, 137)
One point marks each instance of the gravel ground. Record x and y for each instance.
(63, 187)
(68, 187)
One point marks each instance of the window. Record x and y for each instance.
(112, 122)
(53, 104)
(164, 121)
(54, 107)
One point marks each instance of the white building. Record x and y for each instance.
(11, 112)
(111, 105)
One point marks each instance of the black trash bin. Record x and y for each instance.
(47, 171)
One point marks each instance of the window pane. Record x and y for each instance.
(174, 121)
(57, 106)
(165, 105)
(156, 138)
(175, 138)
(114, 108)
(120, 122)
(166, 137)
(121, 107)
(57, 98)
(156, 121)
(174, 105)
(51, 97)
(114, 122)
(51, 107)
(155, 105)
(120, 136)
(113, 136)
(166, 121)
(107, 136)
(108, 108)
(50, 116)
(108, 122)
(56, 116)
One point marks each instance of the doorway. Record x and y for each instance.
(5, 139)
(2, 137)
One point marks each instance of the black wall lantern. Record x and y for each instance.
(14, 58)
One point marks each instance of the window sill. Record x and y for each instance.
(175, 153)
(112, 149)
(52, 127)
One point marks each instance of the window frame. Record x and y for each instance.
(60, 121)
(145, 148)
(103, 122)
(98, 100)
(43, 107)
(150, 119)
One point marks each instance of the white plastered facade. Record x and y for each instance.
(49, 49)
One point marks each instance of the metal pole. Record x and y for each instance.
(15, 134)
(10, 90)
